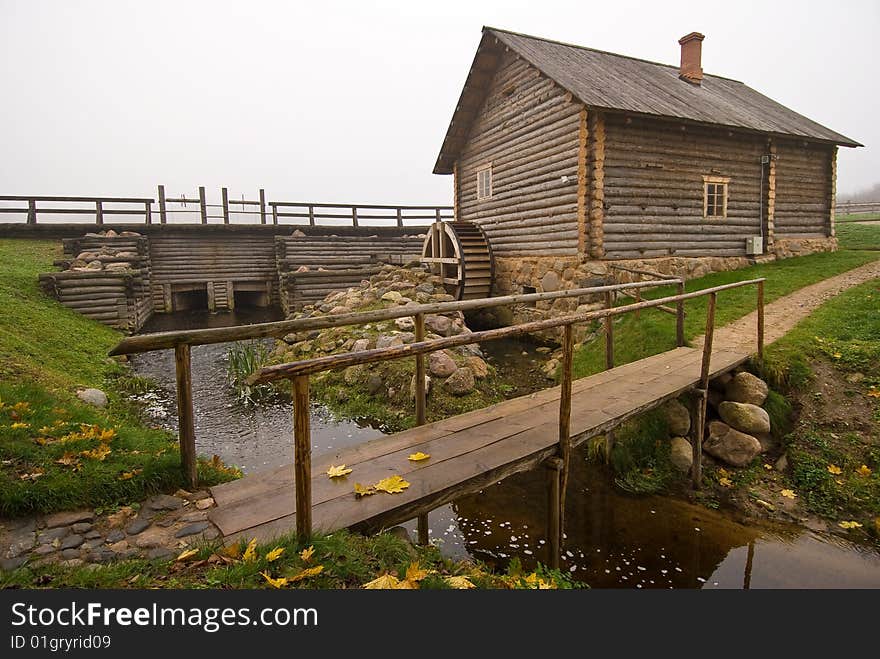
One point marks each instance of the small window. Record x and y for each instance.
(484, 182)
(715, 196)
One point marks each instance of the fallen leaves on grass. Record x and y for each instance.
(305, 574)
(768, 467)
(864, 470)
(459, 582)
(415, 573)
(18, 425)
(834, 469)
(128, 475)
(32, 476)
(69, 460)
(851, 524)
(338, 472)
(188, 553)
(275, 583)
(418, 457)
(98, 453)
(384, 582)
(536, 582)
(392, 485)
(250, 554)
(788, 494)
(725, 482)
(275, 554)
(307, 553)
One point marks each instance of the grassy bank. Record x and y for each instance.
(859, 236)
(340, 560)
(654, 332)
(58, 453)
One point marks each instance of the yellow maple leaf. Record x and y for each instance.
(849, 525)
(68, 460)
(188, 553)
(459, 582)
(128, 475)
(384, 582)
(768, 467)
(275, 554)
(305, 574)
(231, 551)
(406, 584)
(415, 573)
(97, 453)
(837, 355)
(418, 457)
(20, 426)
(275, 583)
(864, 470)
(538, 583)
(834, 469)
(723, 473)
(788, 494)
(725, 482)
(874, 393)
(392, 485)
(250, 554)
(307, 553)
(338, 472)
(363, 490)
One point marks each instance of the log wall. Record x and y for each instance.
(310, 267)
(653, 189)
(528, 129)
(803, 190)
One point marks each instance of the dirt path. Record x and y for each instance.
(783, 314)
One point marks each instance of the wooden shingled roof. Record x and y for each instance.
(625, 84)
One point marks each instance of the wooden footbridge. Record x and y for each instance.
(469, 451)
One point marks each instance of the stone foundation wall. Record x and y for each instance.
(515, 275)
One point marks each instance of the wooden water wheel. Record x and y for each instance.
(461, 255)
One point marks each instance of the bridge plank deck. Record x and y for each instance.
(468, 451)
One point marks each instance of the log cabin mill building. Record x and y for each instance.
(570, 159)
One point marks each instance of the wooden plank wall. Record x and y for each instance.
(654, 189)
(803, 197)
(528, 129)
(335, 263)
(180, 258)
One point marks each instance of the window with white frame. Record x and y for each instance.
(715, 196)
(484, 182)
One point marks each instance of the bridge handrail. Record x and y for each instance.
(165, 340)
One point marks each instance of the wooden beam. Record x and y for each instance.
(203, 205)
(761, 320)
(583, 234)
(609, 331)
(224, 193)
(302, 458)
(185, 418)
(262, 206)
(703, 391)
(565, 418)
(679, 317)
(163, 216)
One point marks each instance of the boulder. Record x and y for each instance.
(92, 396)
(374, 384)
(163, 502)
(678, 417)
(392, 296)
(389, 341)
(298, 234)
(67, 518)
(478, 366)
(681, 453)
(360, 345)
(746, 388)
(550, 282)
(406, 324)
(731, 446)
(744, 417)
(438, 324)
(550, 369)
(441, 365)
(461, 382)
(353, 374)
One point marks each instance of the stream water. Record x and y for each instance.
(612, 539)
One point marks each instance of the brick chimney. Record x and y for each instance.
(691, 56)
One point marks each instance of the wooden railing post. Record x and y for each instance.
(185, 422)
(421, 408)
(438, 215)
(679, 317)
(399, 217)
(638, 312)
(302, 457)
(274, 214)
(354, 216)
(565, 419)
(203, 204)
(262, 206)
(224, 194)
(609, 333)
(311, 215)
(760, 320)
(99, 213)
(163, 216)
(554, 514)
(703, 393)
(32, 211)
(148, 212)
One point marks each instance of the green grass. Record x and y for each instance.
(858, 236)
(46, 353)
(856, 217)
(654, 331)
(346, 561)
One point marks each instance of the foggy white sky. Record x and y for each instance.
(336, 101)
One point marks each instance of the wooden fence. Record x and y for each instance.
(857, 208)
(197, 210)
